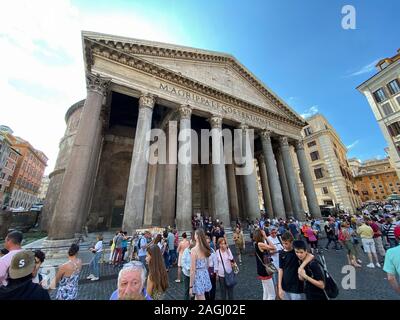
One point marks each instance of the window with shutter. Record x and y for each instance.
(387, 109)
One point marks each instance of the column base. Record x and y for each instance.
(57, 249)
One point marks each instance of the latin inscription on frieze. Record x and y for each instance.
(216, 106)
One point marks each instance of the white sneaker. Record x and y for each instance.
(90, 276)
(95, 279)
(378, 264)
(370, 265)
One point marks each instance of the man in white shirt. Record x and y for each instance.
(274, 240)
(97, 250)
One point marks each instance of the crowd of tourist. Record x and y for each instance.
(288, 258)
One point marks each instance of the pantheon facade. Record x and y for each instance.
(102, 179)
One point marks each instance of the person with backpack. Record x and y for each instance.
(289, 285)
(142, 247)
(311, 274)
(330, 233)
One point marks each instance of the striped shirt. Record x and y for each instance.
(389, 230)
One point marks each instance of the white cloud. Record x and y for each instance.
(41, 48)
(352, 145)
(310, 112)
(365, 69)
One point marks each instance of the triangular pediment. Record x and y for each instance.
(219, 71)
(220, 76)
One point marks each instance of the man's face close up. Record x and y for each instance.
(130, 285)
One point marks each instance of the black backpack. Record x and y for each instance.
(331, 288)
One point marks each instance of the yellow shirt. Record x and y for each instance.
(365, 231)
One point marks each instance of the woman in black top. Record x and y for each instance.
(262, 247)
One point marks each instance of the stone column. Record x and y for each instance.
(158, 194)
(284, 185)
(218, 164)
(204, 190)
(135, 196)
(250, 182)
(291, 179)
(265, 186)
(210, 191)
(69, 206)
(232, 192)
(305, 176)
(150, 193)
(91, 177)
(272, 172)
(169, 189)
(184, 190)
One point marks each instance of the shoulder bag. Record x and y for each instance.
(229, 278)
(268, 264)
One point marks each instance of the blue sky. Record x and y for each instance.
(297, 48)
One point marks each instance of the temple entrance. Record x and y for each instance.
(117, 216)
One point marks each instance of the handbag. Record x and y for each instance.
(229, 278)
(268, 265)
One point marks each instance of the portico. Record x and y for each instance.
(174, 89)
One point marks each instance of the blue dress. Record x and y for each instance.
(68, 288)
(202, 281)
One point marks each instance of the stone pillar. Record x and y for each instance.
(158, 194)
(305, 176)
(68, 208)
(232, 193)
(218, 164)
(272, 173)
(91, 177)
(265, 187)
(150, 193)
(250, 182)
(169, 193)
(284, 185)
(135, 196)
(204, 190)
(184, 190)
(210, 191)
(291, 179)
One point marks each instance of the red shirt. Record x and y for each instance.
(375, 228)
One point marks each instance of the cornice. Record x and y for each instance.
(124, 53)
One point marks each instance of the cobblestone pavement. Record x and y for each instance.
(371, 284)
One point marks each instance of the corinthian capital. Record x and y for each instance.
(185, 111)
(265, 134)
(147, 100)
(216, 121)
(260, 157)
(243, 126)
(284, 141)
(97, 83)
(299, 145)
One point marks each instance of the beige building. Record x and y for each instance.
(383, 94)
(8, 162)
(102, 177)
(331, 173)
(375, 179)
(43, 188)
